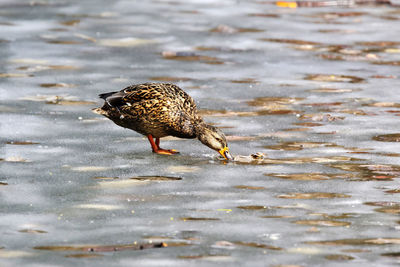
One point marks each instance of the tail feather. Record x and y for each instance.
(105, 95)
(113, 99)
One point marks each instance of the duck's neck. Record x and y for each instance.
(199, 127)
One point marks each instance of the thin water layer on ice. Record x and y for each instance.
(308, 100)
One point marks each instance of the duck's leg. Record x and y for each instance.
(168, 151)
(155, 146)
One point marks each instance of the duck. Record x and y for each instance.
(157, 110)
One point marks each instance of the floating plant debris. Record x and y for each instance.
(58, 100)
(290, 41)
(392, 254)
(104, 248)
(383, 105)
(70, 22)
(105, 178)
(64, 42)
(273, 101)
(83, 255)
(294, 146)
(338, 257)
(386, 207)
(55, 85)
(277, 216)
(391, 210)
(30, 61)
(245, 80)
(249, 187)
(299, 160)
(334, 78)
(264, 15)
(322, 223)
(15, 159)
(156, 178)
(3, 183)
(122, 183)
(387, 137)
(38, 68)
(99, 206)
(214, 257)
(252, 207)
(393, 191)
(333, 90)
(335, 15)
(320, 117)
(310, 176)
(370, 172)
(308, 124)
(334, 216)
(14, 254)
(379, 43)
(32, 231)
(357, 242)
(23, 143)
(315, 195)
(384, 76)
(224, 29)
(85, 37)
(231, 30)
(356, 250)
(15, 75)
(189, 56)
(256, 245)
(198, 219)
(390, 63)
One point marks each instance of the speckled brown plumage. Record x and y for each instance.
(160, 109)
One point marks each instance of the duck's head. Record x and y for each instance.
(214, 139)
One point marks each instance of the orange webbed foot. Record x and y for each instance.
(166, 151)
(155, 146)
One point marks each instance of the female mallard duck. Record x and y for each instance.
(161, 109)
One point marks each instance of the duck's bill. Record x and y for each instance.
(225, 153)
